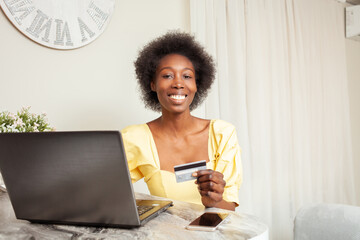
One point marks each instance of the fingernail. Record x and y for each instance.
(194, 174)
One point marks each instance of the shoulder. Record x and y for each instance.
(134, 129)
(219, 126)
(222, 133)
(136, 134)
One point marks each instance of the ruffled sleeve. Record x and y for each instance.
(226, 157)
(139, 153)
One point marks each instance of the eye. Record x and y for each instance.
(187, 76)
(167, 76)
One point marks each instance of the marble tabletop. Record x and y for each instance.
(168, 225)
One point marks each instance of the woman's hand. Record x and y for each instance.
(211, 186)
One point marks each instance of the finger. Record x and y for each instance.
(212, 195)
(212, 187)
(201, 172)
(207, 172)
(215, 177)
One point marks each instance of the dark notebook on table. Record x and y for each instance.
(78, 178)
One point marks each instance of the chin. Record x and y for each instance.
(178, 110)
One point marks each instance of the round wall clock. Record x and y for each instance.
(60, 24)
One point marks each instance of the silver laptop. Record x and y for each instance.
(77, 178)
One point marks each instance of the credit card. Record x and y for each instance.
(184, 172)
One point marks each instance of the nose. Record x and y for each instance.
(178, 82)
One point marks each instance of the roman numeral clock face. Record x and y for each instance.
(60, 24)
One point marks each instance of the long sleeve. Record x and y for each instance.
(226, 158)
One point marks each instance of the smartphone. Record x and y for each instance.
(208, 221)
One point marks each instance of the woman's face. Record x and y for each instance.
(175, 83)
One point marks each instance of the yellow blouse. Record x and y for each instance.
(143, 161)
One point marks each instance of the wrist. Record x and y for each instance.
(225, 205)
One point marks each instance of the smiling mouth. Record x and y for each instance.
(178, 97)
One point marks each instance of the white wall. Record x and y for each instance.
(90, 88)
(353, 72)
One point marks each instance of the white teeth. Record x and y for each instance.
(177, 97)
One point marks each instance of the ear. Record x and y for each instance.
(152, 85)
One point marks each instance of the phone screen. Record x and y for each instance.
(209, 219)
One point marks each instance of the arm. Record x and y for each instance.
(219, 187)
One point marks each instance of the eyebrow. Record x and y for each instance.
(172, 68)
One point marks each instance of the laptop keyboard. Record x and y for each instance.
(143, 209)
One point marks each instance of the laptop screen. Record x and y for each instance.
(68, 177)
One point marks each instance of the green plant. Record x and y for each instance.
(24, 121)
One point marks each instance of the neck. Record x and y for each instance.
(177, 123)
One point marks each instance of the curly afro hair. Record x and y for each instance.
(174, 42)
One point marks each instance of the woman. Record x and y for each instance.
(175, 73)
